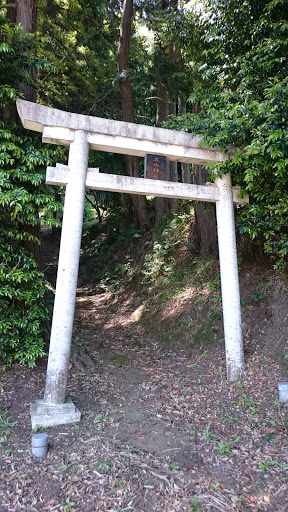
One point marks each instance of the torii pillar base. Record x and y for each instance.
(43, 415)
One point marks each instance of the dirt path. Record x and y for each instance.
(159, 431)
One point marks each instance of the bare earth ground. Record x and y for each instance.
(161, 428)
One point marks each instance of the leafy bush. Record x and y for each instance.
(161, 261)
(22, 306)
(23, 195)
(240, 61)
(22, 286)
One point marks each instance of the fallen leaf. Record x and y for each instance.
(48, 503)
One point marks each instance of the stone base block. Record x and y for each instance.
(44, 415)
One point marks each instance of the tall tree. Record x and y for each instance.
(132, 162)
(26, 16)
(174, 87)
(82, 44)
(204, 230)
(164, 56)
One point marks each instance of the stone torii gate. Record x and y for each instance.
(82, 133)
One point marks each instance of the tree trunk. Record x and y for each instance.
(173, 166)
(185, 172)
(132, 162)
(162, 204)
(51, 11)
(185, 168)
(9, 111)
(11, 10)
(26, 15)
(164, 109)
(204, 230)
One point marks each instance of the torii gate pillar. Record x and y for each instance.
(229, 279)
(55, 409)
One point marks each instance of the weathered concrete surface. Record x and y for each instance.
(67, 275)
(116, 136)
(43, 415)
(229, 279)
(59, 175)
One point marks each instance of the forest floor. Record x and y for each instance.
(161, 428)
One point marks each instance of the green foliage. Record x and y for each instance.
(22, 288)
(18, 54)
(160, 263)
(69, 505)
(207, 436)
(256, 295)
(223, 447)
(104, 245)
(265, 465)
(23, 193)
(173, 466)
(5, 430)
(23, 196)
(104, 202)
(195, 505)
(82, 39)
(22, 306)
(239, 53)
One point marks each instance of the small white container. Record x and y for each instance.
(283, 391)
(39, 443)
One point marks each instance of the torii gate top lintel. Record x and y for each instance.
(59, 127)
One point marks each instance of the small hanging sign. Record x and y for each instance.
(156, 168)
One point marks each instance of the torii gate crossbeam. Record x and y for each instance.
(82, 133)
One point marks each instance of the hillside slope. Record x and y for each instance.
(159, 281)
(161, 429)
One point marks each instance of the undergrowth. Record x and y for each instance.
(118, 255)
(165, 278)
(6, 427)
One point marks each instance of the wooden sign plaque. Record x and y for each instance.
(156, 168)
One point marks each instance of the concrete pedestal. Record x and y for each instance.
(44, 415)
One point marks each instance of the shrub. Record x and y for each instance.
(23, 195)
